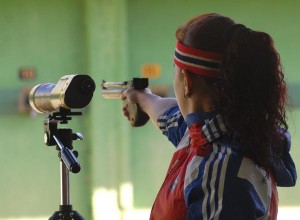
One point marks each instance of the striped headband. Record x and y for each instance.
(201, 62)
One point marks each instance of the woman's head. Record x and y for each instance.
(249, 92)
(205, 32)
(200, 37)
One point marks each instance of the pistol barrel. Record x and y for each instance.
(113, 85)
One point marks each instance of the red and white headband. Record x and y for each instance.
(200, 62)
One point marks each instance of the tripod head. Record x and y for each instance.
(62, 138)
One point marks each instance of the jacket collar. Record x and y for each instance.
(205, 127)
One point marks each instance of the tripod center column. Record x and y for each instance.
(64, 184)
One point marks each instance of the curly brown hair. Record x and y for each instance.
(251, 91)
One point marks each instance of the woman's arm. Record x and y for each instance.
(151, 104)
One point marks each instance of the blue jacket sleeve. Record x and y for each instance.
(285, 170)
(172, 124)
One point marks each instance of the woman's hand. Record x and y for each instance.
(133, 96)
(153, 105)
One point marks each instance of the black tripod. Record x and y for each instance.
(63, 139)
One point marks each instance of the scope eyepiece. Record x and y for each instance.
(88, 86)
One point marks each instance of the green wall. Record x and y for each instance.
(106, 23)
(110, 40)
(48, 35)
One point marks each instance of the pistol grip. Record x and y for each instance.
(137, 116)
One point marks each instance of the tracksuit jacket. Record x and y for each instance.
(209, 177)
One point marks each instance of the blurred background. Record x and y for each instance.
(113, 40)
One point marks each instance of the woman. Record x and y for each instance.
(227, 122)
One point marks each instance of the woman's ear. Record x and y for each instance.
(187, 82)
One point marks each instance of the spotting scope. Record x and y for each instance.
(70, 92)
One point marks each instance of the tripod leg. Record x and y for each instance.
(56, 216)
